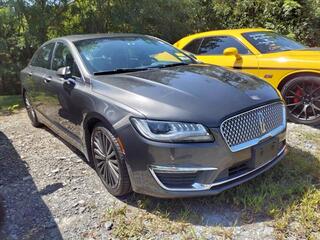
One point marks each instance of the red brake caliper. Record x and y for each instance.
(298, 95)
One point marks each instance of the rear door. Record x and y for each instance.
(210, 50)
(37, 70)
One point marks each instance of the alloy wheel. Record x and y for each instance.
(303, 100)
(106, 159)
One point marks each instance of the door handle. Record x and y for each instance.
(71, 82)
(29, 74)
(47, 79)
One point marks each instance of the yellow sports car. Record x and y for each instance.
(289, 66)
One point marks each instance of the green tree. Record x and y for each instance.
(26, 24)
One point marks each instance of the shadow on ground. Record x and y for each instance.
(23, 213)
(275, 190)
(71, 147)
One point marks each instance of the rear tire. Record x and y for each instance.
(109, 161)
(302, 97)
(31, 112)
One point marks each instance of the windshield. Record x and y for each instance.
(128, 53)
(268, 42)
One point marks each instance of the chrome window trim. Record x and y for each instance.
(200, 186)
(255, 141)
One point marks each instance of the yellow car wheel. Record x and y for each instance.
(302, 97)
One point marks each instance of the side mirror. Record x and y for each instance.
(231, 51)
(64, 72)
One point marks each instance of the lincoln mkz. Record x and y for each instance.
(151, 118)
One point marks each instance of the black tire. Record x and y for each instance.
(31, 112)
(302, 97)
(109, 161)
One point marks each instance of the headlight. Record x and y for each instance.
(172, 131)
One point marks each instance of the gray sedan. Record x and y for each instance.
(151, 118)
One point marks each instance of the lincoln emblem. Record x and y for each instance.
(262, 122)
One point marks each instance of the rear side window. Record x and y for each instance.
(193, 46)
(216, 45)
(42, 57)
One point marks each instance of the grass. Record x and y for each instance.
(131, 223)
(288, 195)
(10, 103)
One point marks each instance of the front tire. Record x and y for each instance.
(31, 112)
(109, 162)
(302, 97)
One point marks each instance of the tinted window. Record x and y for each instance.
(216, 45)
(42, 57)
(63, 58)
(193, 46)
(110, 54)
(267, 42)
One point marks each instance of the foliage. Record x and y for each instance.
(26, 24)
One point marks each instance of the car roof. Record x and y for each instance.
(79, 37)
(227, 31)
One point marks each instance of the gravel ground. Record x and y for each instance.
(48, 191)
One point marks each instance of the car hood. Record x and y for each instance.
(301, 56)
(192, 93)
(307, 52)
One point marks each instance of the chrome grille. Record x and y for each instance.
(248, 128)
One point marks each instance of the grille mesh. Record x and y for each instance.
(247, 126)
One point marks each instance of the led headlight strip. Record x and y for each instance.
(164, 131)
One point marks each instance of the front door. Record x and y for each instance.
(65, 111)
(210, 50)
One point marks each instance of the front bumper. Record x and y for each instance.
(192, 169)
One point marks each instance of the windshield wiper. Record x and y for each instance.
(170, 65)
(120, 70)
(125, 70)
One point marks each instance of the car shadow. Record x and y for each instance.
(250, 202)
(70, 146)
(23, 213)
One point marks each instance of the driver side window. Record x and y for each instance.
(42, 57)
(63, 58)
(216, 45)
